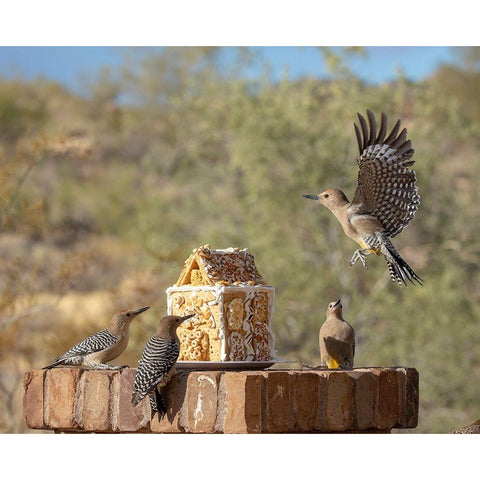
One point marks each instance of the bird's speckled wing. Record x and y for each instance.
(94, 343)
(386, 184)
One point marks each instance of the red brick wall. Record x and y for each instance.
(270, 401)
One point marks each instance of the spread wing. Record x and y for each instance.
(386, 184)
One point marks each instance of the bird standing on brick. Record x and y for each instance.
(385, 200)
(157, 363)
(336, 339)
(103, 346)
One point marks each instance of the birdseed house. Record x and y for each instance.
(232, 303)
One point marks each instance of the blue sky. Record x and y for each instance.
(66, 65)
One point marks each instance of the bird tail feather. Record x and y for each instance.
(161, 405)
(58, 361)
(400, 271)
(136, 397)
(157, 404)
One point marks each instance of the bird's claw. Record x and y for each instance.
(119, 367)
(310, 367)
(358, 255)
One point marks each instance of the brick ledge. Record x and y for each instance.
(267, 401)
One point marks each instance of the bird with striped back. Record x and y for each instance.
(385, 200)
(103, 346)
(157, 364)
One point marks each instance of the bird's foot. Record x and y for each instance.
(306, 366)
(104, 366)
(121, 367)
(358, 255)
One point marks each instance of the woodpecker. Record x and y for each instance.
(336, 339)
(157, 363)
(385, 200)
(102, 346)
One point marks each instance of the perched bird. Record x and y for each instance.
(385, 200)
(102, 346)
(157, 363)
(336, 339)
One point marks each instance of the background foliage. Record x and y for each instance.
(103, 196)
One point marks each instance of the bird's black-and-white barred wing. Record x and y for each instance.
(386, 184)
(158, 357)
(94, 343)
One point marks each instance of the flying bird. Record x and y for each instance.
(385, 200)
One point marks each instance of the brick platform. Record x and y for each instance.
(268, 401)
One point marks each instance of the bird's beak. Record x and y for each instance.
(338, 301)
(186, 317)
(312, 197)
(140, 310)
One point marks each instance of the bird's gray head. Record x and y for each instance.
(121, 320)
(334, 307)
(126, 316)
(170, 323)
(330, 198)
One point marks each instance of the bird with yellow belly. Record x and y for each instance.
(385, 200)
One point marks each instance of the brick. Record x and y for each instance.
(322, 424)
(305, 401)
(202, 389)
(407, 379)
(366, 393)
(174, 395)
(59, 397)
(367, 399)
(340, 407)
(96, 400)
(126, 417)
(386, 414)
(412, 398)
(33, 399)
(278, 402)
(401, 374)
(243, 402)
(221, 405)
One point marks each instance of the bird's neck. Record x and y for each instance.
(340, 211)
(336, 316)
(340, 206)
(168, 332)
(119, 328)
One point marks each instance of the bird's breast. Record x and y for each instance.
(112, 352)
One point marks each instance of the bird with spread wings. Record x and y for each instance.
(385, 200)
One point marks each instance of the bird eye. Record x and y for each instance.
(128, 314)
(326, 195)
